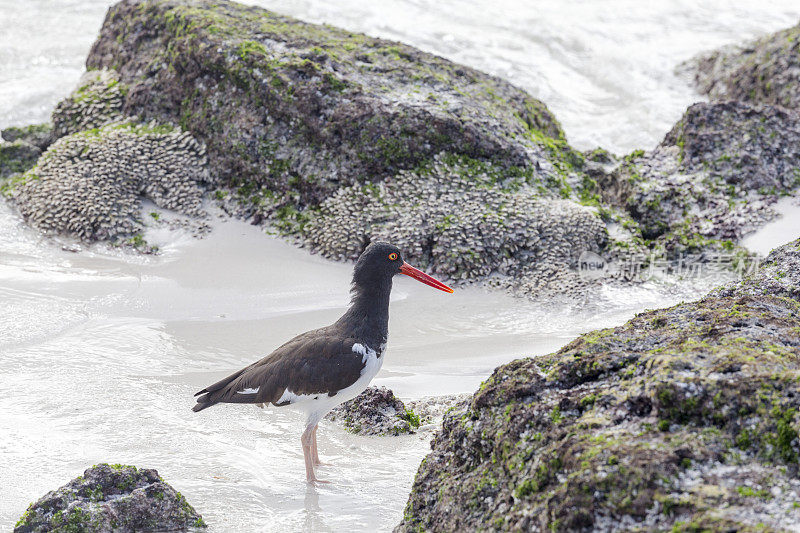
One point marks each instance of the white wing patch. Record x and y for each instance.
(247, 391)
(365, 351)
(290, 397)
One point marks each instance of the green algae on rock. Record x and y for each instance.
(766, 70)
(376, 411)
(297, 110)
(17, 156)
(39, 135)
(684, 418)
(23, 147)
(116, 498)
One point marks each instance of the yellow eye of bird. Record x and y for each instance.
(393, 256)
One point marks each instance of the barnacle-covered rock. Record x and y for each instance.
(95, 103)
(713, 177)
(117, 498)
(90, 184)
(297, 114)
(463, 220)
(683, 419)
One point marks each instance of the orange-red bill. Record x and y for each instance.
(419, 275)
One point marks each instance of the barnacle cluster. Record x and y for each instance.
(96, 103)
(89, 184)
(461, 221)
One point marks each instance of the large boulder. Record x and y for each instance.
(115, 498)
(292, 111)
(333, 137)
(684, 418)
(766, 70)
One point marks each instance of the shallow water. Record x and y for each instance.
(101, 351)
(784, 228)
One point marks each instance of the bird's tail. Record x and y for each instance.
(201, 404)
(212, 393)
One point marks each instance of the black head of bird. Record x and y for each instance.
(378, 264)
(322, 368)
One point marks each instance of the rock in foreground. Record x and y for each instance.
(111, 498)
(684, 418)
(376, 411)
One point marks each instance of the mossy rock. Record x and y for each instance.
(712, 179)
(376, 411)
(39, 135)
(118, 498)
(292, 111)
(683, 419)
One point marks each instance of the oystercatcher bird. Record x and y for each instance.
(322, 368)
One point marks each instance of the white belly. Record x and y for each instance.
(316, 406)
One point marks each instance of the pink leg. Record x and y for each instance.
(314, 450)
(307, 440)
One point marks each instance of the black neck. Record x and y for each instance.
(367, 318)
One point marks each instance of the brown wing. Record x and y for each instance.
(316, 362)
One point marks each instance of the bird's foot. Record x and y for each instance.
(320, 463)
(316, 481)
